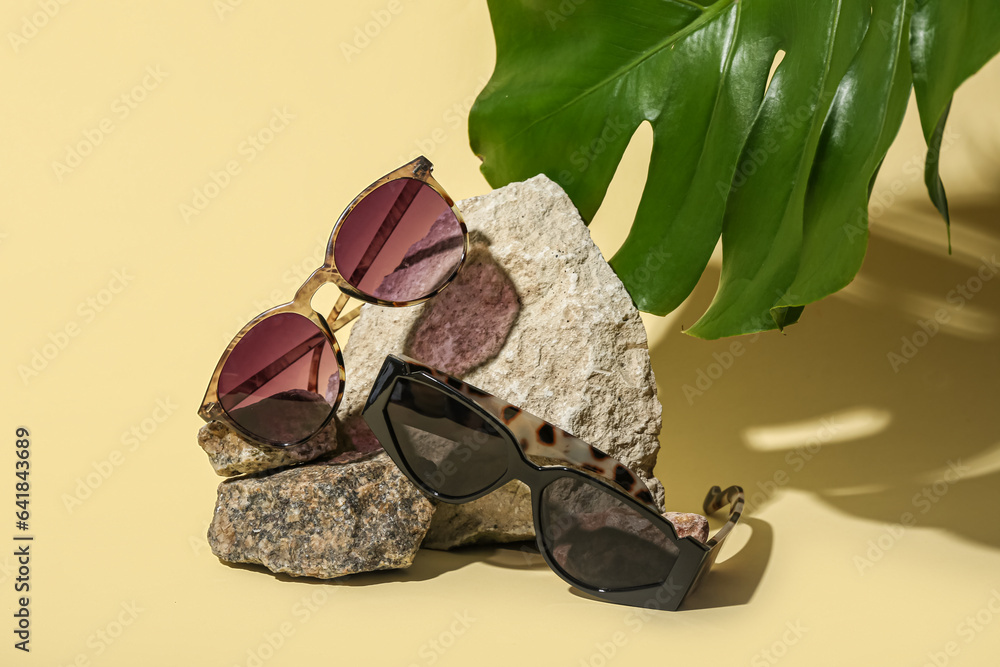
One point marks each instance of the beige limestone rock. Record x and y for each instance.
(480, 521)
(538, 318)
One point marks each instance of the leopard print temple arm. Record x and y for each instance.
(539, 439)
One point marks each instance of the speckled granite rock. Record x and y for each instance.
(538, 318)
(355, 513)
(231, 455)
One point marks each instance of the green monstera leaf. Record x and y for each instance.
(780, 169)
(950, 42)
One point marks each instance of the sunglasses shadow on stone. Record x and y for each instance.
(596, 524)
(400, 242)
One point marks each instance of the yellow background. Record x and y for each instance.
(833, 444)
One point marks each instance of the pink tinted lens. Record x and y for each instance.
(281, 381)
(402, 242)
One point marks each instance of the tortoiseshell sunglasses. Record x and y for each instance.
(400, 242)
(595, 521)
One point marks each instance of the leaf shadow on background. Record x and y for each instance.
(890, 434)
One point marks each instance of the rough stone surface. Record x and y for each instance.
(484, 289)
(687, 524)
(231, 455)
(502, 516)
(538, 318)
(354, 513)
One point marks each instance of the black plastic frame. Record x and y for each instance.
(694, 559)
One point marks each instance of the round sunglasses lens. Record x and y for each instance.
(601, 541)
(449, 448)
(402, 242)
(281, 380)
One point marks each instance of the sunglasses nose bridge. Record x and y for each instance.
(317, 279)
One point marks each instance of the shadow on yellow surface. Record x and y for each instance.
(731, 582)
(734, 581)
(428, 564)
(882, 402)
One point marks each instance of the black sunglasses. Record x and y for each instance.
(595, 521)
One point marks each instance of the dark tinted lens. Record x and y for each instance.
(281, 380)
(599, 540)
(400, 243)
(450, 448)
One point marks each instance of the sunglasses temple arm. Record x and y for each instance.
(716, 500)
(338, 307)
(571, 450)
(317, 355)
(343, 320)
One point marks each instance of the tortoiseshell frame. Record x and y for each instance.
(211, 409)
(694, 559)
